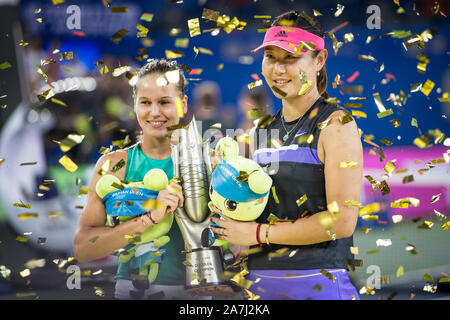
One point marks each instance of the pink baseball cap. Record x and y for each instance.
(289, 38)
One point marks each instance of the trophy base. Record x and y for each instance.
(204, 268)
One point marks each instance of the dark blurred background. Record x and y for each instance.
(46, 93)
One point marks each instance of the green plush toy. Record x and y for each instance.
(123, 202)
(239, 188)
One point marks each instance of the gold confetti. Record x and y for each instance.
(359, 114)
(194, 27)
(279, 91)
(119, 9)
(364, 57)
(328, 275)
(99, 292)
(21, 205)
(152, 204)
(147, 17)
(339, 10)
(119, 35)
(323, 124)
(445, 97)
(301, 200)
(349, 164)
(400, 271)
(278, 253)
(389, 167)
(427, 87)
(70, 141)
(211, 15)
(25, 273)
(21, 239)
(93, 239)
(255, 84)
(435, 198)
(133, 237)
(348, 37)
(66, 56)
(274, 194)
(352, 203)
(120, 70)
(24, 216)
(55, 214)
(28, 163)
(336, 43)
(68, 164)
(173, 54)
(182, 43)
(426, 225)
(407, 179)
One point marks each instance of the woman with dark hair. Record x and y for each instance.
(306, 230)
(160, 83)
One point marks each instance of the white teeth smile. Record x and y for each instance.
(156, 123)
(281, 81)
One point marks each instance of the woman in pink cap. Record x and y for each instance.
(317, 175)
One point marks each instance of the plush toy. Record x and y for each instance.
(239, 189)
(124, 202)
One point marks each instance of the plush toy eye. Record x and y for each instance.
(231, 205)
(211, 190)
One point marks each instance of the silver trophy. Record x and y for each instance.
(192, 163)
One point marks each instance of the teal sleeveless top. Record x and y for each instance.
(171, 270)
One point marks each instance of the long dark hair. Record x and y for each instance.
(303, 21)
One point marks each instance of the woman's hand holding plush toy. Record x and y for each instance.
(168, 200)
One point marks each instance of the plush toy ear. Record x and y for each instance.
(227, 149)
(259, 181)
(105, 185)
(156, 180)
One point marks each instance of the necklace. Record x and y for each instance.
(286, 136)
